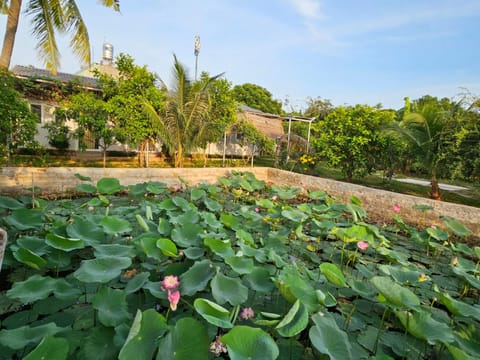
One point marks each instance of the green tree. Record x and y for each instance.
(58, 134)
(18, 125)
(251, 137)
(257, 97)
(48, 18)
(125, 98)
(182, 123)
(90, 113)
(428, 129)
(349, 138)
(222, 110)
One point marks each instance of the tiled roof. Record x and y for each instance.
(32, 72)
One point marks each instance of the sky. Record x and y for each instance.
(346, 51)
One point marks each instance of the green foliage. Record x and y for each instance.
(349, 138)
(182, 124)
(18, 125)
(257, 97)
(124, 103)
(58, 134)
(223, 108)
(262, 273)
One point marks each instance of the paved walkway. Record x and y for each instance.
(427, 183)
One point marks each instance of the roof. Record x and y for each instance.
(32, 72)
(268, 124)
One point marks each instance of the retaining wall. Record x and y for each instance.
(378, 203)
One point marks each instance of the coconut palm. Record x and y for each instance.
(182, 123)
(424, 129)
(49, 17)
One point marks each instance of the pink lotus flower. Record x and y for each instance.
(275, 197)
(257, 209)
(247, 313)
(173, 298)
(170, 282)
(396, 208)
(362, 245)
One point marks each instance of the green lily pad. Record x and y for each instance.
(196, 278)
(35, 288)
(329, 339)
(167, 247)
(227, 289)
(90, 232)
(421, 325)
(10, 203)
(115, 225)
(187, 235)
(333, 274)
(25, 335)
(241, 265)
(222, 248)
(188, 339)
(111, 305)
(456, 227)
(63, 243)
(142, 340)
(25, 219)
(108, 186)
(86, 188)
(213, 313)
(50, 348)
(244, 342)
(101, 270)
(28, 257)
(294, 322)
(395, 293)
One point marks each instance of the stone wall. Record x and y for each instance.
(378, 203)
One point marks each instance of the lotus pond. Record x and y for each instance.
(237, 270)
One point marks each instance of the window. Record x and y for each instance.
(37, 110)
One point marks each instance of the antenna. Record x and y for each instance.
(196, 51)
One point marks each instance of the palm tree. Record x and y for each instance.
(424, 129)
(49, 17)
(182, 123)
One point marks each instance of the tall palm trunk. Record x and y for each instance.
(10, 32)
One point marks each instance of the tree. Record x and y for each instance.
(183, 121)
(18, 124)
(317, 108)
(348, 137)
(257, 97)
(427, 129)
(90, 113)
(125, 98)
(222, 110)
(49, 17)
(250, 136)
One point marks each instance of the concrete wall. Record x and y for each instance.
(378, 203)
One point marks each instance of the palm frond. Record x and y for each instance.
(160, 125)
(4, 6)
(114, 4)
(74, 23)
(44, 23)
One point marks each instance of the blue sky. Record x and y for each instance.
(347, 51)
